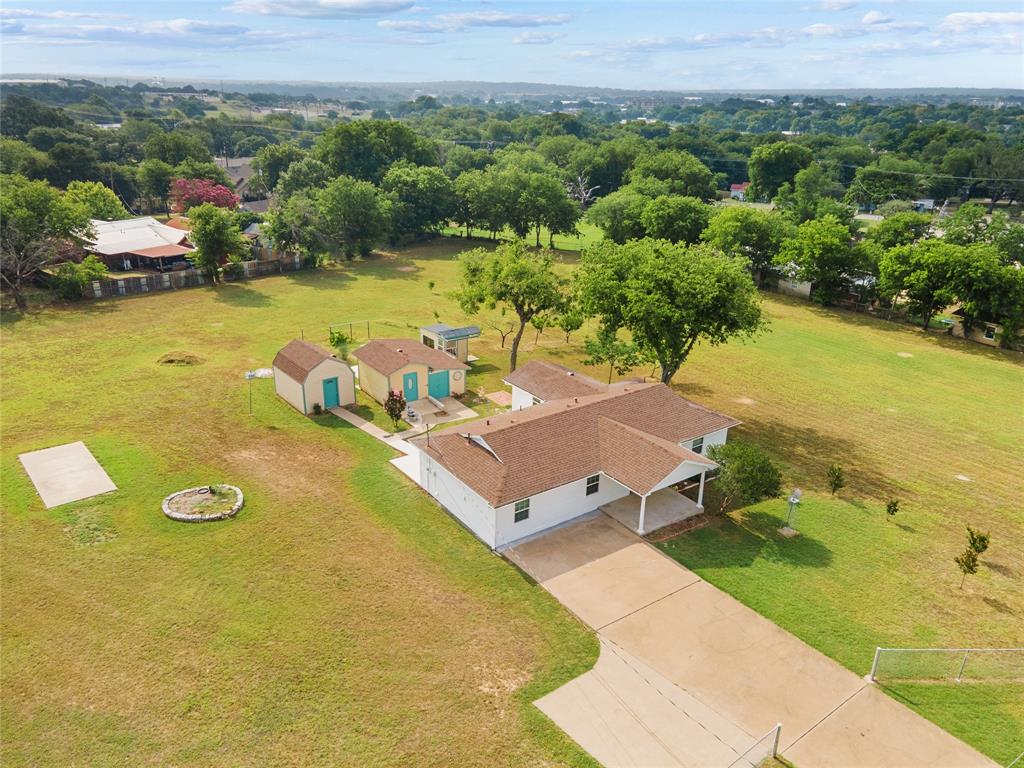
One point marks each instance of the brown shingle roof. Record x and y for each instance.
(389, 355)
(300, 357)
(551, 381)
(630, 433)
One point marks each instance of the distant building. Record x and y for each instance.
(141, 242)
(739, 191)
(924, 205)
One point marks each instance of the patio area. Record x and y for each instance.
(664, 507)
(430, 414)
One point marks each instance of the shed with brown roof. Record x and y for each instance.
(409, 367)
(306, 375)
(541, 380)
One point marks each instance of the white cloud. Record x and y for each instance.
(875, 17)
(832, 30)
(834, 5)
(502, 19)
(28, 13)
(181, 33)
(321, 9)
(536, 38)
(966, 21)
(398, 25)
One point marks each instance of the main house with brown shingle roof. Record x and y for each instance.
(409, 367)
(513, 475)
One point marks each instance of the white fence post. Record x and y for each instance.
(960, 674)
(874, 664)
(775, 742)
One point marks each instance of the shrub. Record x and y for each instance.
(976, 540)
(892, 508)
(341, 341)
(317, 409)
(967, 562)
(836, 478)
(71, 279)
(394, 407)
(746, 474)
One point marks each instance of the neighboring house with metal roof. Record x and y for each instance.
(511, 476)
(409, 367)
(454, 341)
(142, 242)
(538, 381)
(306, 375)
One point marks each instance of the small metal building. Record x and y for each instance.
(305, 375)
(454, 341)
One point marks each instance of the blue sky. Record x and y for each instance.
(679, 45)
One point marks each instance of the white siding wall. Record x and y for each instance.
(289, 389)
(555, 507)
(521, 399)
(459, 499)
(326, 370)
(712, 438)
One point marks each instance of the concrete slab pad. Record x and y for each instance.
(736, 661)
(66, 473)
(599, 570)
(664, 507)
(873, 729)
(626, 714)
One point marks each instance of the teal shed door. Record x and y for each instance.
(438, 384)
(331, 393)
(411, 387)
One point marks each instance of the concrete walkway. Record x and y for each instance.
(408, 463)
(732, 673)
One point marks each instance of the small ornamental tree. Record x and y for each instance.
(621, 356)
(217, 239)
(746, 475)
(394, 407)
(891, 508)
(976, 540)
(569, 321)
(187, 193)
(967, 562)
(836, 478)
(341, 342)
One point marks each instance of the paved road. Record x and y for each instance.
(689, 676)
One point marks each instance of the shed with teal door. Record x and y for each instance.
(306, 375)
(409, 367)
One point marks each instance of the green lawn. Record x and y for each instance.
(586, 234)
(306, 630)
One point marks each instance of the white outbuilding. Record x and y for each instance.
(306, 375)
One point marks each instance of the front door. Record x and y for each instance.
(411, 387)
(438, 384)
(331, 393)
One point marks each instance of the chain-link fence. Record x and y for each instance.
(762, 752)
(945, 664)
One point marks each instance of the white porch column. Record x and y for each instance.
(643, 505)
(700, 493)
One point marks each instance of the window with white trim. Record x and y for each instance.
(522, 510)
(697, 446)
(593, 484)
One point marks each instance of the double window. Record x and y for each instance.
(593, 484)
(522, 510)
(697, 446)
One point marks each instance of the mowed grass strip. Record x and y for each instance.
(341, 619)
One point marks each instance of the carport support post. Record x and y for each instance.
(700, 493)
(643, 506)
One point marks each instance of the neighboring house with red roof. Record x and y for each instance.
(739, 191)
(510, 476)
(140, 243)
(409, 367)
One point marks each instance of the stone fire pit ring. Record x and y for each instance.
(176, 505)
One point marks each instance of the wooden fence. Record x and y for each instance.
(189, 278)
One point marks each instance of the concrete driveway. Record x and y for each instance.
(732, 673)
